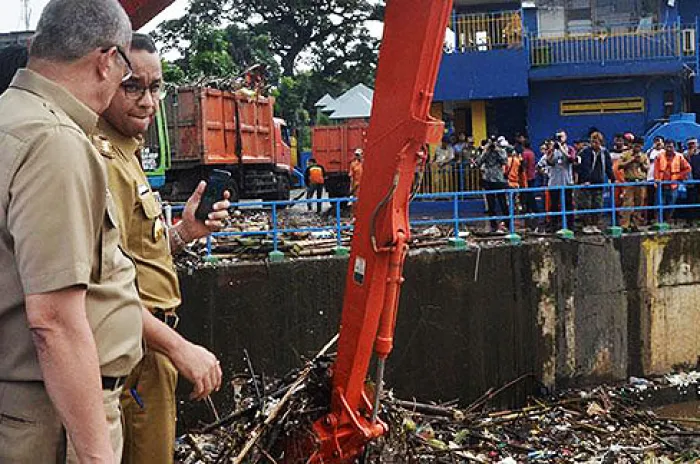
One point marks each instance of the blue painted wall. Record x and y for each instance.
(593, 70)
(688, 10)
(544, 112)
(483, 75)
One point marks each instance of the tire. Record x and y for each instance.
(283, 187)
(232, 188)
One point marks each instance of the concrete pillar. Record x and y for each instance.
(479, 121)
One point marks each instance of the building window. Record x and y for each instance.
(669, 103)
(602, 106)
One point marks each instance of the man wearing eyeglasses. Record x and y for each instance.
(148, 398)
(70, 316)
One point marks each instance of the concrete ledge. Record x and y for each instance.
(570, 312)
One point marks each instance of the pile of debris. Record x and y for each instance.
(252, 238)
(602, 425)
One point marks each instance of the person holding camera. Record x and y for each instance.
(492, 162)
(559, 160)
(633, 166)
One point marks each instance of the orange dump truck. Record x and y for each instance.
(218, 129)
(334, 147)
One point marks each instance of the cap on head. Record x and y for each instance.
(358, 152)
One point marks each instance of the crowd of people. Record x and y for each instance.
(661, 172)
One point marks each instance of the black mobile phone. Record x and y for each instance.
(216, 186)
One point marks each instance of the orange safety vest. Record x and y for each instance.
(316, 175)
(514, 172)
(679, 168)
(355, 173)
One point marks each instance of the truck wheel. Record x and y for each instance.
(283, 188)
(232, 189)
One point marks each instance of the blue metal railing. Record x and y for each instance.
(660, 207)
(613, 44)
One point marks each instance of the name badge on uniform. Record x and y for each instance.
(142, 190)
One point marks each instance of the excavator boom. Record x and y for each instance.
(399, 129)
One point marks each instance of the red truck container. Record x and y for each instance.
(334, 147)
(236, 131)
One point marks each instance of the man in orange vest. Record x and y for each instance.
(315, 179)
(670, 167)
(356, 172)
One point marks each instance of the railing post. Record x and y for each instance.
(456, 241)
(614, 230)
(275, 255)
(512, 236)
(661, 225)
(564, 232)
(340, 250)
(209, 246)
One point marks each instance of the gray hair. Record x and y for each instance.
(71, 29)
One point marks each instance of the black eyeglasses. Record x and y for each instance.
(136, 91)
(129, 70)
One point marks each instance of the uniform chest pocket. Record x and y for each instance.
(152, 241)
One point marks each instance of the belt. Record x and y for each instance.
(168, 317)
(112, 383)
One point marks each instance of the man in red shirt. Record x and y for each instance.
(529, 165)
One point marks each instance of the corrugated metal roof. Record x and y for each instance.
(355, 103)
(324, 101)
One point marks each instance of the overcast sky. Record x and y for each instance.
(11, 19)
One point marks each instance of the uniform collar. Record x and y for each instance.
(35, 83)
(126, 146)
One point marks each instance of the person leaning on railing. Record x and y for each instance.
(670, 168)
(692, 154)
(595, 168)
(633, 166)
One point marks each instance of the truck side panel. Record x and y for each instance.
(257, 127)
(334, 146)
(329, 148)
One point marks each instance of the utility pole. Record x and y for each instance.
(26, 14)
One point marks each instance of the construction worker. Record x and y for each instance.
(148, 400)
(670, 168)
(315, 179)
(71, 326)
(356, 172)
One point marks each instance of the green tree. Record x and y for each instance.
(298, 26)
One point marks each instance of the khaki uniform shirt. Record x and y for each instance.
(634, 169)
(58, 227)
(142, 230)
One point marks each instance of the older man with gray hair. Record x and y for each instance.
(68, 335)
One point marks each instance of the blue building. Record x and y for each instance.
(543, 65)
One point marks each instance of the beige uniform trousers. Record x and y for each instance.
(149, 431)
(31, 432)
(114, 423)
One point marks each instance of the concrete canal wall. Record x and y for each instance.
(570, 313)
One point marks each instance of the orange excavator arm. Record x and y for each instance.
(142, 11)
(400, 126)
